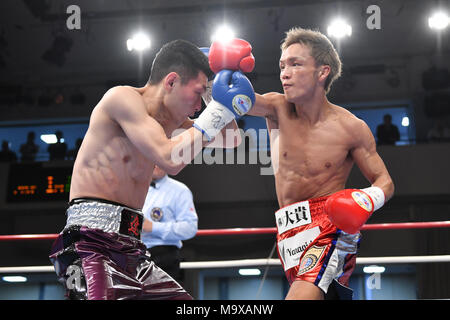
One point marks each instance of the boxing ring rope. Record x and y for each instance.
(256, 262)
(246, 231)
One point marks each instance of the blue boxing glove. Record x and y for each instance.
(232, 97)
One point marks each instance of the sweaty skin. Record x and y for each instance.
(130, 131)
(315, 143)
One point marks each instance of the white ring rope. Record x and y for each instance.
(255, 263)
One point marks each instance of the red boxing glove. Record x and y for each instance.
(349, 209)
(235, 54)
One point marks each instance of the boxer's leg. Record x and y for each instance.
(158, 285)
(304, 290)
(67, 264)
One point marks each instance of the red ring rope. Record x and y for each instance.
(217, 232)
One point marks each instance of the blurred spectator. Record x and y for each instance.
(58, 150)
(29, 149)
(7, 155)
(439, 132)
(387, 133)
(72, 153)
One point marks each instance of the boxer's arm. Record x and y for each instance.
(265, 105)
(369, 161)
(125, 107)
(349, 209)
(228, 138)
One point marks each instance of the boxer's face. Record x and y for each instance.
(185, 99)
(299, 74)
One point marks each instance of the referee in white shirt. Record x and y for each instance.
(169, 218)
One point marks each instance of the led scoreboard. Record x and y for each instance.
(38, 182)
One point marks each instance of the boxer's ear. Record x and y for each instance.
(324, 72)
(170, 80)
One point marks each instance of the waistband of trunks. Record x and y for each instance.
(311, 203)
(105, 215)
(87, 199)
(299, 213)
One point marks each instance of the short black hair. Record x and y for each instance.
(182, 57)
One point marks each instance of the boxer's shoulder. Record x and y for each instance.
(275, 102)
(123, 93)
(266, 105)
(121, 99)
(348, 121)
(343, 115)
(275, 99)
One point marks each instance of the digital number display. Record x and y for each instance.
(38, 182)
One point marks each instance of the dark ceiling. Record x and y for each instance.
(97, 52)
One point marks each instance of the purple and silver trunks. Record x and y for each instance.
(99, 255)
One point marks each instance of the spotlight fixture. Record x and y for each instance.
(223, 33)
(56, 54)
(438, 20)
(249, 272)
(339, 28)
(49, 138)
(405, 121)
(139, 42)
(14, 279)
(374, 269)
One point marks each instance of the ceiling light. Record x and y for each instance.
(438, 21)
(14, 279)
(374, 269)
(405, 122)
(249, 272)
(139, 42)
(49, 138)
(223, 33)
(339, 28)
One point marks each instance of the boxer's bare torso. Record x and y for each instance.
(314, 143)
(127, 130)
(131, 130)
(108, 165)
(312, 160)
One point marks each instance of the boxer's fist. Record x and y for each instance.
(235, 54)
(239, 97)
(349, 209)
(232, 97)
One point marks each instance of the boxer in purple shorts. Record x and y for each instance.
(99, 254)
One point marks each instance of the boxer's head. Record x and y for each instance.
(183, 70)
(182, 57)
(321, 50)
